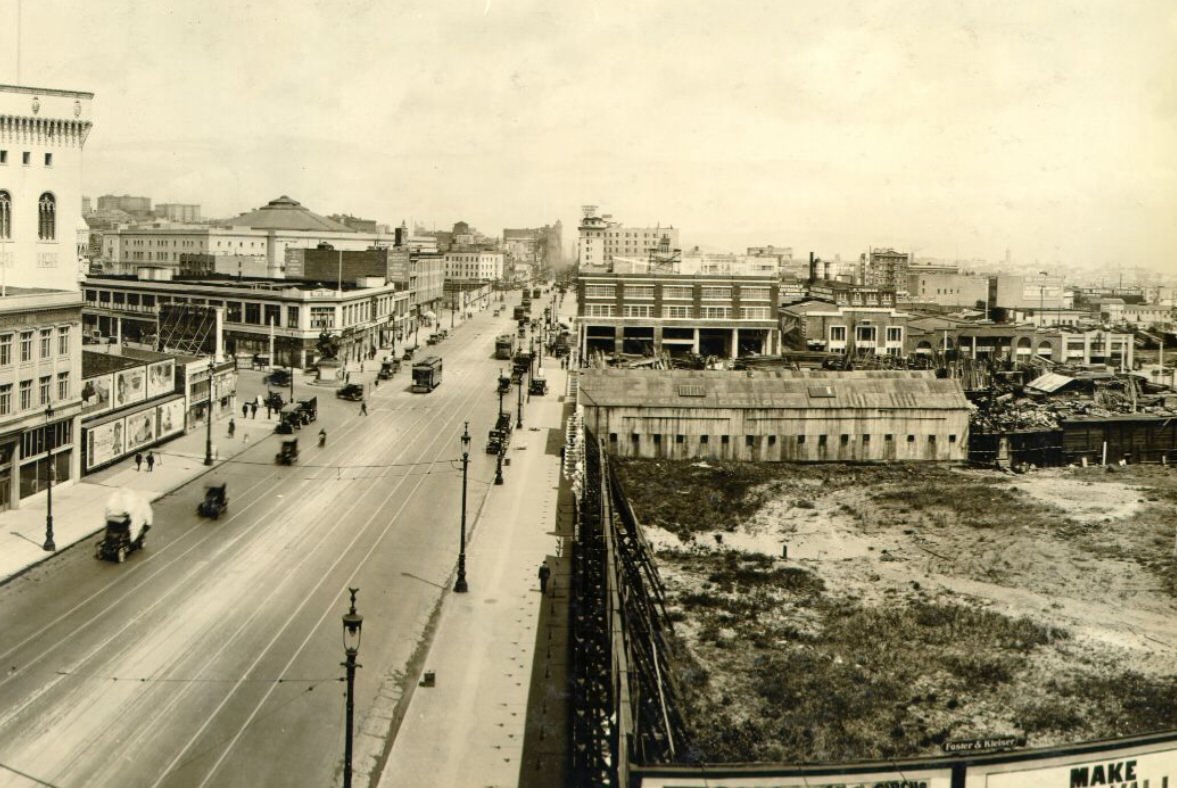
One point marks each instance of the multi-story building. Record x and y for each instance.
(42, 134)
(947, 288)
(268, 231)
(259, 314)
(136, 206)
(1030, 294)
(178, 212)
(473, 265)
(710, 315)
(877, 330)
(885, 268)
(601, 239)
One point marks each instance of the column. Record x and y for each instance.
(618, 339)
(695, 342)
(735, 343)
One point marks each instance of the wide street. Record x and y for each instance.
(212, 657)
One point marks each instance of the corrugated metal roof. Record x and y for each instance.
(888, 389)
(1049, 382)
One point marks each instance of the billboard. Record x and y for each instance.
(1152, 765)
(96, 393)
(161, 378)
(169, 418)
(140, 429)
(105, 443)
(883, 778)
(130, 386)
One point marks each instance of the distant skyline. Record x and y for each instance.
(948, 129)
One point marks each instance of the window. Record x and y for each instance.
(713, 293)
(704, 440)
(26, 346)
(657, 439)
(47, 217)
(637, 310)
(716, 312)
(46, 343)
(599, 310)
(273, 315)
(5, 350)
(598, 291)
(635, 439)
(749, 441)
(679, 438)
(44, 390)
(678, 292)
(639, 291)
(62, 385)
(866, 439)
(26, 394)
(3, 157)
(48, 159)
(725, 439)
(5, 215)
(756, 313)
(931, 440)
(232, 311)
(889, 438)
(5, 399)
(292, 317)
(800, 440)
(837, 333)
(952, 438)
(754, 294)
(322, 317)
(911, 439)
(845, 439)
(613, 438)
(821, 440)
(894, 333)
(26, 157)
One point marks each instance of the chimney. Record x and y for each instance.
(812, 268)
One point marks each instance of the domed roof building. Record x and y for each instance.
(286, 214)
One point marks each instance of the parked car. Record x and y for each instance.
(352, 391)
(278, 377)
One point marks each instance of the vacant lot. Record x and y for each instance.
(917, 604)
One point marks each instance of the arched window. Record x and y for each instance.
(47, 217)
(5, 216)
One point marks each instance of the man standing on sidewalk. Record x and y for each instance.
(138, 460)
(544, 574)
(150, 461)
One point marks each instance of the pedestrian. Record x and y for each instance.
(269, 411)
(232, 427)
(363, 408)
(253, 410)
(150, 462)
(544, 574)
(376, 382)
(347, 377)
(138, 460)
(361, 365)
(244, 410)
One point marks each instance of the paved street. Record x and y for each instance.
(212, 656)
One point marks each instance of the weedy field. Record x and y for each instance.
(916, 604)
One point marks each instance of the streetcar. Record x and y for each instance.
(505, 346)
(426, 374)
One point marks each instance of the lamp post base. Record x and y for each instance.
(460, 586)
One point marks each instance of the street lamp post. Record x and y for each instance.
(49, 545)
(460, 584)
(208, 441)
(519, 423)
(353, 623)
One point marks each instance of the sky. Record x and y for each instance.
(950, 128)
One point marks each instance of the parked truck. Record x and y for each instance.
(128, 519)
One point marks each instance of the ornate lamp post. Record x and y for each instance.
(208, 440)
(460, 584)
(522, 383)
(353, 623)
(49, 545)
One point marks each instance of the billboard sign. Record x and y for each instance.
(169, 418)
(884, 778)
(1152, 765)
(141, 429)
(130, 386)
(161, 379)
(96, 394)
(105, 443)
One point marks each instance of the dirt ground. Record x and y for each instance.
(923, 604)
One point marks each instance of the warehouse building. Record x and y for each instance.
(778, 415)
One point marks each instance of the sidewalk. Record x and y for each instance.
(468, 729)
(78, 508)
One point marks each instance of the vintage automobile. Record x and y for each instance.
(408, 355)
(308, 409)
(290, 418)
(288, 453)
(278, 377)
(388, 368)
(128, 519)
(495, 442)
(216, 500)
(538, 384)
(352, 392)
(274, 400)
(504, 384)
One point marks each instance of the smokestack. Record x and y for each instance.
(812, 268)
(826, 270)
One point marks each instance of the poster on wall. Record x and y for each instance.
(1152, 765)
(161, 379)
(96, 394)
(130, 386)
(104, 443)
(169, 418)
(140, 429)
(907, 778)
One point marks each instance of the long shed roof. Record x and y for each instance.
(806, 389)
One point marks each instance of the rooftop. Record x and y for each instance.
(286, 213)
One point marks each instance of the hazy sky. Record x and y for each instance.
(951, 128)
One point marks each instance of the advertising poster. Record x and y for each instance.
(140, 429)
(1154, 766)
(169, 418)
(104, 443)
(130, 386)
(905, 778)
(160, 379)
(96, 394)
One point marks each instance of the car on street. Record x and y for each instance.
(352, 391)
(278, 377)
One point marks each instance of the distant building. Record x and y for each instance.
(473, 266)
(135, 206)
(853, 330)
(601, 239)
(178, 212)
(947, 288)
(777, 416)
(355, 223)
(885, 268)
